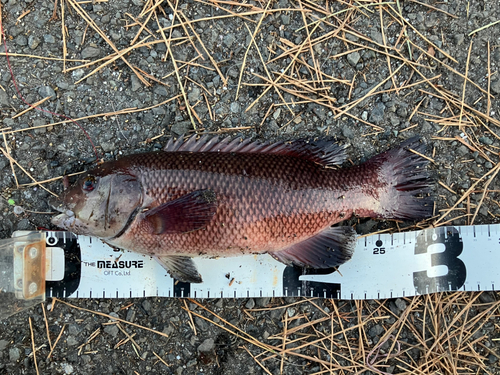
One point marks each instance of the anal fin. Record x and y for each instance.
(180, 267)
(329, 248)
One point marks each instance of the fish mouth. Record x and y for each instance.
(66, 218)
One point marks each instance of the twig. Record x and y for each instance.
(33, 346)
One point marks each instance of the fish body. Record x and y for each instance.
(218, 198)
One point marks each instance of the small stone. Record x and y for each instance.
(47, 38)
(111, 330)
(353, 58)
(33, 41)
(291, 312)
(201, 323)
(486, 140)
(194, 95)
(78, 73)
(90, 52)
(161, 90)
(62, 85)
(146, 305)
(45, 91)
(488, 165)
(108, 146)
(68, 369)
(377, 115)
(181, 127)
(376, 330)
(23, 224)
(462, 150)
(3, 344)
(206, 346)
(235, 107)
(459, 39)
(364, 116)
(135, 83)
(40, 122)
(130, 315)
(71, 341)
(229, 40)
(4, 99)
(14, 354)
(21, 40)
(347, 132)
(263, 302)
(250, 304)
(400, 304)
(495, 86)
(285, 19)
(377, 37)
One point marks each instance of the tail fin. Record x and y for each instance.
(408, 182)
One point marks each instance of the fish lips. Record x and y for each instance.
(66, 218)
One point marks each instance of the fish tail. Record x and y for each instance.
(407, 193)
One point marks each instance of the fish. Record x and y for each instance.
(211, 197)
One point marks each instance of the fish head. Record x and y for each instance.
(100, 203)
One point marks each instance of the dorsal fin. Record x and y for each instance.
(320, 151)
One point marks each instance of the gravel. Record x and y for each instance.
(374, 124)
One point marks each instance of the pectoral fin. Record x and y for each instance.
(327, 249)
(180, 267)
(188, 213)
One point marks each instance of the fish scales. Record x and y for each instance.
(265, 202)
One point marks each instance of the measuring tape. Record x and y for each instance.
(383, 266)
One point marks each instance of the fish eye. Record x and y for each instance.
(89, 184)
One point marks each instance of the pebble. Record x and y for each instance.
(250, 304)
(377, 36)
(45, 91)
(181, 127)
(90, 52)
(72, 341)
(47, 38)
(353, 58)
(206, 346)
(78, 73)
(285, 19)
(194, 94)
(486, 140)
(235, 107)
(108, 146)
(33, 41)
(495, 86)
(146, 305)
(4, 99)
(68, 369)
(400, 304)
(14, 354)
(135, 83)
(462, 150)
(3, 344)
(377, 114)
(130, 315)
(21, 40)
(263, 302)
(161, 90)
(376, 330)
(111, 330)
(201, 323)
(229, 40)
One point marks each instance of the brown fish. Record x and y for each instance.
(224, 198)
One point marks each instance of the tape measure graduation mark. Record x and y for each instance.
(383, 266)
